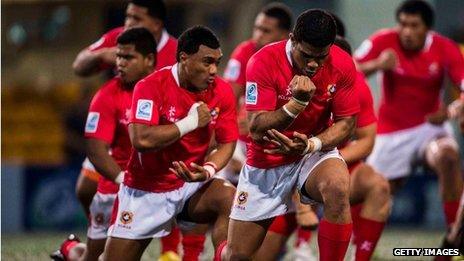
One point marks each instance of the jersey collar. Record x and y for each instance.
(163, 41)
(288, 51)
(175, 74)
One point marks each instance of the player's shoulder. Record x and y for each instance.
(223, 87)
(246, 46)
(157, 77)
(435, 38)
(172, 42)
(111, 86)
(385, 34)
(115, 32)
(341, 60)
(271, 52)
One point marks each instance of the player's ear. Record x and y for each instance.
(183, 57)
(151, 60)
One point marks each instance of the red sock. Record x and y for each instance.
(219, 249)
(66, 247)
(355, 212)
(171, 241)
(193, 246)
(368, 235)
(450, 208)
(302, 236)
(333, 240)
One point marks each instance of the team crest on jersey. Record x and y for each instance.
(214, 114)
(92, 122)
(242, 197)
(433, 68)
(144, 109)
(251, 95)
(126, 217)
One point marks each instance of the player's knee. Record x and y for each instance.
(381, 189)
(237, 256)
(336, 190)
(447, 155)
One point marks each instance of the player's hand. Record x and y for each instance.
(108, 55)
(182, 171)
(284, 145)
(438, 117)
(387, 60)
(302, 88)
(204, 115)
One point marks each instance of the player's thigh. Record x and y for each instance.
(214, 198)
(86, 188)
(330, 174)
(362, 180)
(94, 249)
(271, 246)
(245, 237)
(441, 150)
(120, 249)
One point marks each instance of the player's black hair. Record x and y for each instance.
(419, 7)
(315, 27)
(340, 25)
(156, 8)
(281, 12)
(141, 38)
(190, 40)
(343, 44)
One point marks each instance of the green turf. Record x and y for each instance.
(37, 246)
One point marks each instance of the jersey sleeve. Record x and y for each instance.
(235, 71)
(345, 99)
(454, 64)
(260, 93)
(366, 115)
(369, 49)
(101, 119)
(107, 40)
(145, 102)
(226, 125)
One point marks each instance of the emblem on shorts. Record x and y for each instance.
(126, 217)
(99, 218)
(242, 197)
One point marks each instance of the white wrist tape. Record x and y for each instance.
(289, 113)
(211, 168)
(190, 122)
(300, 102)
(119, 178)
(317, 143)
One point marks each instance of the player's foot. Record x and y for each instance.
(169, 256)
(60, 254)
(303, 252)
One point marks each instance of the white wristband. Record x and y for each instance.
(119, 178)
(210, 169)
(190, 122)
(317, 143)
(289, 113)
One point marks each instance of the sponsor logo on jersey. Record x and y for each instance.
(144, 109)
(251, 93)
(92, 122)
(232, 71)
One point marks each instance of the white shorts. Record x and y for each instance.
(143, 214)
(100, 215)
(266, 193)
(394, 153)
(239, 155)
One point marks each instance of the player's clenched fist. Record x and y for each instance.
(302, 88)
(204, 115)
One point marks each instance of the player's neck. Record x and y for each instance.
(183, 82)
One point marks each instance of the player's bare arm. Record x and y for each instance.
(362, 146)
(88, 62)
(387, 60)
(299, 144)
(150, 137)
(97, 152)
(214, 162)
(302, 92)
